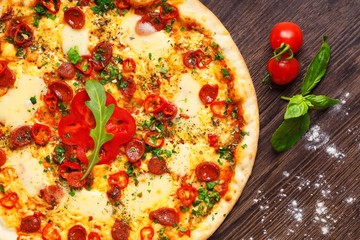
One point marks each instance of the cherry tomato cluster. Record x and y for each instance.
(286, 39)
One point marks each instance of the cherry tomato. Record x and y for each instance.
(74, 17)
(283, 71)
(286, 32)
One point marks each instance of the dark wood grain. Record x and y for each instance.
(302, 193)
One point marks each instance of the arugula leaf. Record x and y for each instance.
(102, 114)
(296, 107)
(317, 68)
(290, 132)
(73, 55)
(321, 102)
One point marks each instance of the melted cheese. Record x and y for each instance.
(89, 203)
(72, 37)
(7, 233)
(188, 100)
(16, 108)
(180, 163)
(158, 44)
(30, 172)
(152, 192)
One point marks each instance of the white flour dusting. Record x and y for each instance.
(316, 138)
(333, 152)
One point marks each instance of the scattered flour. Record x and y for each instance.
(333, 152)
(316, 139)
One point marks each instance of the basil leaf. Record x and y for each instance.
(317, 68)
(290, 132)
(296, 107)
(320, 102)
(102, 114)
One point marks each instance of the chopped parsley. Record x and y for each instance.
(73, 55)
(102, 6)
(33, 100)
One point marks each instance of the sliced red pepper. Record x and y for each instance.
(202, 59)
(3, 67)
(2, 157)
(221, 109)
(49, 232)
(147, 233)
(85, 66)
(10, 200)
(75, 17)
(24, 35)
(72, 131)
(67, 167)
(52, 6)
(168, 11)
(187, 194)
(120, 178)
(154, 103)
(154, 139)
(41, 134)
(129, 65)
(51, 101)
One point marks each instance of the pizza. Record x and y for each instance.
(120, 119)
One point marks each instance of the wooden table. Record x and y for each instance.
(312, 190)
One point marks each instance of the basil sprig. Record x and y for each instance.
(296, 119)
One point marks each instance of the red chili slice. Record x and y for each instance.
(129, 65)
(52, 194)
(62, 90)
(7, 77)
(157, 166)
(109, 151)
(94, 236)
(30, 224)
(101, 55)
(208, 93)
(3, 66)
(190, 59)
(74, 179)
(68, 167)
(2, 157)
(24, 35)
(135, 149)
(114, 193)
(49, 232)
(120, 230)
(187, 194)
(10, 200)
(202, 59)
(77, 232)
(52, 5)
(73, 132)
(207, 171)
(130, 87)
(41, 134)
(120, 178)
(168, 11)
(20, 136)
(165, 216)
(79, 108)
(221, 109)
(85, 66)
(168, 113)
(122, 4)
(147, 233)
(74, 17)
(154, 139)
(67, 70)
(154, 103)
(51, 101)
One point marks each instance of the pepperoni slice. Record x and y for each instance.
(30, 224)
(147, 233)
(2, 157)
(67, 70)
(77, 232)
(157, 166)
(24, 35)
(168, 11)
(165, 216)
(49, 232)
(20, 136)
(7, 77)
(208, 93)
(135, 149)
(52, 195)
(101, 55)
(62, 90)
(7, 15)
(120, 230)
(94, 236)
(74, 179)
(114, 193)
(10, 200)
(41, 134)
(207, 171)
(120, 178)
(187, 194)
(127, 86)
(74, 17)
